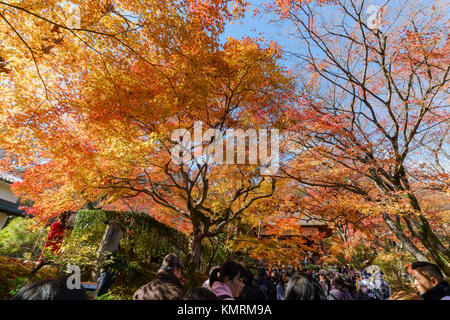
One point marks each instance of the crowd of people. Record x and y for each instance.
(296, 284)
(233, 281)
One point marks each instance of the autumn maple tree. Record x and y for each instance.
(372, 118)
(89, 109)
(93, 91)
(271, 230)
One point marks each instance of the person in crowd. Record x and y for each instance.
(50, 289)
(281, 286)
(430, 282)
(230, 280)
(349, 285)
(109, 272)
(166, 286)
(266, 285)
(344, 270)
(207, 281)
(382, 289)
(351, 272)
(58, 230)
(304, 287)
(274, 276)
(200, 294)
(331, 274)
(289, 273)
(324, 282)
(357, 282)
(250, 290)
(338, 291)
(367, 280)
(362, 293)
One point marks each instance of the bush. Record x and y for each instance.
(108, 296)
(19, 237)
(143, 245)
(17, 284)
(214, 252)
(15, 274)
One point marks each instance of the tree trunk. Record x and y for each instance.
(439, 254)
(427, 237)
(421, 229)
(398, 232)
(195, 253)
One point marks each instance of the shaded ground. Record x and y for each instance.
(14, 273)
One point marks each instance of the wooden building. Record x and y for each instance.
(8, 201)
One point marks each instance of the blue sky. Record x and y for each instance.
(260, 26)
(263, 25)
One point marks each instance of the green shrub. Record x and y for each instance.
(108, 296)
(143, 245)
(15, 273)
(16, 284)
(18, 238)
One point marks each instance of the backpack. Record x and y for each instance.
(264, 289)
(384, 292)
(271, 290)
(337, 295)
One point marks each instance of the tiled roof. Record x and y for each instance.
(10, 208)
(9, 178)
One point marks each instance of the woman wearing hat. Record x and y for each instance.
(166, 285)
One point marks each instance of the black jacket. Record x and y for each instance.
(362, 296)
(437, 292)
(271, 289)
(165, 287)
(251, 293)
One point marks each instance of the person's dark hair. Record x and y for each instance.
(248, 277)
(171, 262)
(338, 283)
(261, 271)
(212, 269)
(281, 277)
(214, 276)
(274, 273)
(50, 289)
(304, 287)
(428, 270)
(289, 271)
(64, 219)
(229, 269)
(200, 294)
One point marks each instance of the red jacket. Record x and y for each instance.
(54, 239)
